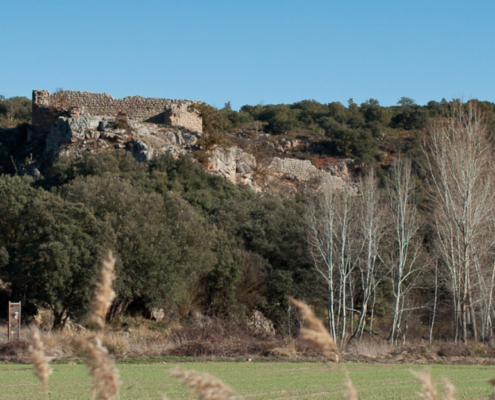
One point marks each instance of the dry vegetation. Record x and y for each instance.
(315, 333)
(97, 351)
(208, 387)
(42, 368)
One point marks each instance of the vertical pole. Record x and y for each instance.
(19, 323)
(8, 330)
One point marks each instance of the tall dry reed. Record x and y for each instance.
(449, 389)
(208, 387)
(350, 393)
(42, 368)
(315, 333)
(104, 293)
(106, 381)
(428, 389)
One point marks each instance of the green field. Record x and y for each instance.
(252, 380)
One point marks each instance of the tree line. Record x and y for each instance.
(384, 242)
(184, 240)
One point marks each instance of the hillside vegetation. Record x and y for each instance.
(373, 259)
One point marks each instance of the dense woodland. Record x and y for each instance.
(407, 251)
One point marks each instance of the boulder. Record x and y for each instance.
(260, 324)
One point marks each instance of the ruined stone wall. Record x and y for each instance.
(47, 107)
(176, 114)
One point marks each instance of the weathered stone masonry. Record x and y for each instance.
(46, 106)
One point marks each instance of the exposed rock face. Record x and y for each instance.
(291, 169)
(82, 133)
(240, 167)
(77, 135)
(341, 168)
(73, 130)
(233, 164)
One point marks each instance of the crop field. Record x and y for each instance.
(254, 381)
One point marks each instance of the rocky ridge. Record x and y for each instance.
(73, 136)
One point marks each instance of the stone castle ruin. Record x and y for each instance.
(48, 107)
(72, 123)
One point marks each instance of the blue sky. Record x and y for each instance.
(251, 52)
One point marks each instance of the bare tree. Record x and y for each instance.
(482, 285)
(434, 308)
(348, 252)
(459, 157)
(332, 240)
(371, 233)
(406, 246)
(322, 217)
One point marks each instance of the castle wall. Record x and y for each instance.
(47, 107)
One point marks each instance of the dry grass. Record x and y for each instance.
(287, 349)
(42, 369)
(140, 343)
(208, 387)
(315, 333)
(104, 293)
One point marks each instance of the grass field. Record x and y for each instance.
(252, 380)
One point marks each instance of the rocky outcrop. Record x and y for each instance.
(340, 168)
(85, 133)
(233, 164)
(260, 324)
(294, 170)
(76, 135)
(240, 167)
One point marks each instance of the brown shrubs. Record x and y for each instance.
(14, 351)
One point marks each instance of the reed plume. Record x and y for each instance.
(104, 293)
(42, 368)
(350, 393)
(208, 387)
(449, 389)
(429, 392)
(315, 333)
(106, 381)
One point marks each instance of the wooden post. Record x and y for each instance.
(14, 328)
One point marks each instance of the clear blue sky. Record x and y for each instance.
(250, 52)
